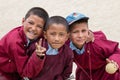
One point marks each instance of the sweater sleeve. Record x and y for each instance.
(116, 57)
(110, 50)
(69, 64)
(99, 35)
(27, 66)
(13, 57)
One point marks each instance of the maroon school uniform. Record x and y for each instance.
(16, 57)
(57, 67)
(91, 64)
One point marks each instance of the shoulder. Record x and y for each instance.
(104, 43)
(13, 36)
(99, 35)
(68, 50)
(101, 40)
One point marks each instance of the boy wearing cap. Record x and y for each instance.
(91, 58)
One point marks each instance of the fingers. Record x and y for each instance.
(40, 42)
(36, 45)
(90, 37)
(116, 64)
(43, 41)
(39, 49)
(40, 55)
(112, 61)
(108, 60)
(40, 52)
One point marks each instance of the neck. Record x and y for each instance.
(80, 46)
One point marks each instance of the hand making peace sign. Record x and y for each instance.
(39, 49)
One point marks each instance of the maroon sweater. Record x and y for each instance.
(16, 59)
(91, 64)
(57, 67)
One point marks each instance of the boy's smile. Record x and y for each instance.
(33, 26)
(79, 34)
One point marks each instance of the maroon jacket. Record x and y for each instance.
(57, 67)
(17, 59)
(91, 64)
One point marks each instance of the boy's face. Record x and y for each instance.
(33, 26)
(56, 35)
(79, 34)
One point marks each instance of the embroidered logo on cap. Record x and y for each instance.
(75, 15)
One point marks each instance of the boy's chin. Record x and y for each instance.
(56, 47)
(32, 38)
(80, 44)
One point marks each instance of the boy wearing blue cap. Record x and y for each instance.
(92, 58)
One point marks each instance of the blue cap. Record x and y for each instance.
(75, 16)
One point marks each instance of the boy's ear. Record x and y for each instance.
(23, 20)
(44, 33)
(67, 36)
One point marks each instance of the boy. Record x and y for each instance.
(57, 56)
(16, 47)
(91, 58)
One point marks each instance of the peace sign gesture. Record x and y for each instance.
(39, 49)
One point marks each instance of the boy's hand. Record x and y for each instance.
(90, 37)
(111, 66)
(39, 49)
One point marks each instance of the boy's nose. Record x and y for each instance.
(80, 34)
(56, 37)
(33, 27)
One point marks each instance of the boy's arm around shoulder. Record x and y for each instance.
(93, 35)
(110, 48)
(99, 35)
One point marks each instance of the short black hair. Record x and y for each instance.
(57, 20)
(40, 12)
(84, 20)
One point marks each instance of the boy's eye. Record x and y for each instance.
(75, 32)
(40, 26)
(52, 33)
(61, 34)
(84, 30)
(30, 22)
